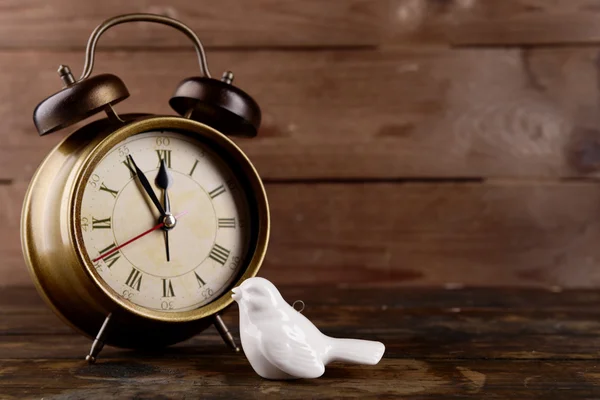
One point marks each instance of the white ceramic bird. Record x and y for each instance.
(281, 343)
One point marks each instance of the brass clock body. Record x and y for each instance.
(56, 250)
(62, 271)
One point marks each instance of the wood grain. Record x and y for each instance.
(311, 23)
(361, 91)
(233, 378)
(42, 335)
(228, 23)
(503, 233)
(492, 343)
(493, 23)
(359, 114)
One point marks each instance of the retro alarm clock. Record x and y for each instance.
(136, 226)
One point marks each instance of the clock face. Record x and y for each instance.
(207, 246)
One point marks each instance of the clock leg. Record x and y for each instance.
(98, 342)
(224, 332)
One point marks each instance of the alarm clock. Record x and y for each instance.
(136, 226)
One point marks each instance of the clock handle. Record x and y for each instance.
(140, 17)
(214, 102)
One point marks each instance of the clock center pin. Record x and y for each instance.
(169, 221)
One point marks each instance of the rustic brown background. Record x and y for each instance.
(427, 142)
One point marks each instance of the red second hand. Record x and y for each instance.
(108, 253)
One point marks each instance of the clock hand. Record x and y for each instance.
(141, 235)
(146, 185)
(164, 180)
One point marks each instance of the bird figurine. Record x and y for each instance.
(281, 343)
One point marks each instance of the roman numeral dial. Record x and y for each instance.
(119, 223)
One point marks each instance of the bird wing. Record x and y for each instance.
(290, 352)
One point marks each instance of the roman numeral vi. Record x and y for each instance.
(168, 288)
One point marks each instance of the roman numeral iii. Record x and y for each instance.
(219, 254)
(226, 222)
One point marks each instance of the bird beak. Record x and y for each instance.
(237, 293)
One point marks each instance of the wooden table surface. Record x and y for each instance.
(441, 343)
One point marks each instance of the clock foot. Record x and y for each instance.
(224, 332)
(98, 342)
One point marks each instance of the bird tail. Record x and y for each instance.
(356, 351)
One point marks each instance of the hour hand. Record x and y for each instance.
(164, 180)
(146, 185)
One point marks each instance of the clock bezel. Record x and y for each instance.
(222, 146)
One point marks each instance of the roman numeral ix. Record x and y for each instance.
(101, 223)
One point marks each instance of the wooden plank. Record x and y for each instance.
(229, 23)
(231, 377)
(491, 22)
(430, 323)
(23, 299)
(468, 333)
(523, 234)
(505, 343)
(475, 234)
(359, 114)
(311, 23)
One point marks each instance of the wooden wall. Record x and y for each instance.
(425, 142)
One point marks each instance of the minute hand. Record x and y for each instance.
(147, 187)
